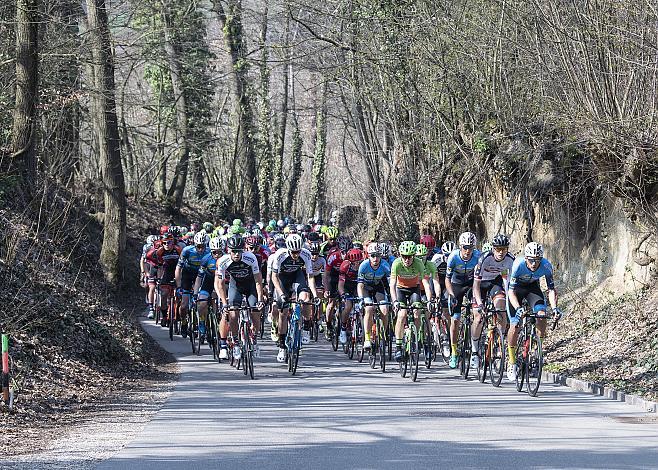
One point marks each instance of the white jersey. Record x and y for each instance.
(285, 265)
(241, 271)
(488, 268)
(318, 266)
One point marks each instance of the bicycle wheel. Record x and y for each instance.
(297, 344)
(414, 352)
(428, 343)
(263, 316)
(359, 339)
(193, 331)
(461, 347)
(496, 352)
(520, 363)
(483, 354)
(534, 364)
(444, 334)
(374, 345)
(351, 342)
(212, 334)
(404, 360)
(171, 318)
(244, 340)
(383, 345)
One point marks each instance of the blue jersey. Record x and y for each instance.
(208, 266)
(190, 259)
(390, 260)
(522, 276)
(372, 277)
(460, 271)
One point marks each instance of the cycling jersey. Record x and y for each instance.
(168, 259)
(347, 272)
(430, 269)
(207, 275)
(241, 271)
(460, 271)
(370, 276)
(326, 248)
(284, 264)
(190, 259)
(488, 268)
(521, 276)
(408, 277)
(441, 262)
(334, 260)
(318, 266)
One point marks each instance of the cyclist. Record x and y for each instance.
(186, 274)
(460, 269)
(335, 258)
(245, 281)
(387, 253)
(491, 274)
(288, 276)
(372, 285)
(205, 281)
(149, 272)
(349, 270)
(278, 244)
(319, 264)
(524, 284)
(430, 271)
(407, 275)
(330, 235)
(166, 258)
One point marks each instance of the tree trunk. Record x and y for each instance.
(296, 171)
(317, 194)
(264, 126)
(198, 174)
(23, 158)
(107, 131)
(276, 195)
(231, 23)
(177, 188)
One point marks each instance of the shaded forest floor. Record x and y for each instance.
(76, 347)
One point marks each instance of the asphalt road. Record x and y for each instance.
(337, 413)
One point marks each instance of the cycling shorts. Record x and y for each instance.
(492, 287)
(188, 278)
(292, 286)
(460, 291)
(408, 296)
(236, 293)
(532, 294)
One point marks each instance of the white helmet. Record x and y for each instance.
(201, 238)
(385, 249)
(261, 225)
(467, 238)
(215, 243)
(151, 239)
(533, 250)
(448, 247)
(373, 248)
(294, 242)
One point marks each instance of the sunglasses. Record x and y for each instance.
(533, 260)
(500, 249)
(168, 242)
(237, 252)
(201, 247)
(407, 256)
(216, 252)
(295, 252)
(468, 247)
(375, 255)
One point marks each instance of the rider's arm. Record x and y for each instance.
(476, 291)
(197, 284)
(311, 285)
(178, 276)
(360, 290)
(552, 297)
(437, 286)
(513, 299)
(258, 277)
(277, 284)
(341, 285)
(220, 288)
(426, 285)
(392, 282)
(449, 287)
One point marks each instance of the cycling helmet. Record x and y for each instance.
(421, 250)
(194, 227)
(236, 242)
(208, 227)
(281, 223)
(237, 222)
(294, 242)
(500, 240)
(533, 250)
(260, 225)
(467, 238)
(183, 229)
(385, 249)
(344, 243)
(428, 241)
(215, 243)
(407, 248)
(355, 254)
(357, 244)
(174, 232)
(331, 232)
(373, 249)
(314, 248)
(448, 247)
(164, 229)
(280, 243)
(235, 229)
(487, 247)
(200, 238)
(313, 237)
(252, 240)
(151, 239)
(299, 227)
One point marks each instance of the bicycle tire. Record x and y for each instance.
(534, 365)
(212, 333)
(351, 340)
(520, 363)
(245, 339)
(414, 352)
(193, 331)
(497, 357)
(359, 340)
(428, 343)
(171, 319)
(383, 343)
(372, 353)
(263, 316)
(483, 354)
(336, 335)
(444, 331)
(461, 347)
(297, 344)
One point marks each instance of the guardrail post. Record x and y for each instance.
(5, 368)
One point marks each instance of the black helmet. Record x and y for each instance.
(500, 240)
(236, 242)
(280, 243)
(313, 237)
(314, 248)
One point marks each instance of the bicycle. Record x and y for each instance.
(439, 330)
(246, 338)
(378, 336)
(354, 330)
(491, 346)
(529, 352)
(464, 340)
(193, 324)
(410, 345)
(316, 319)
(173, 320)
(212, 328)
(294, 334)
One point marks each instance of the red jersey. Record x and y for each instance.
(347, 272)
(334, 260)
